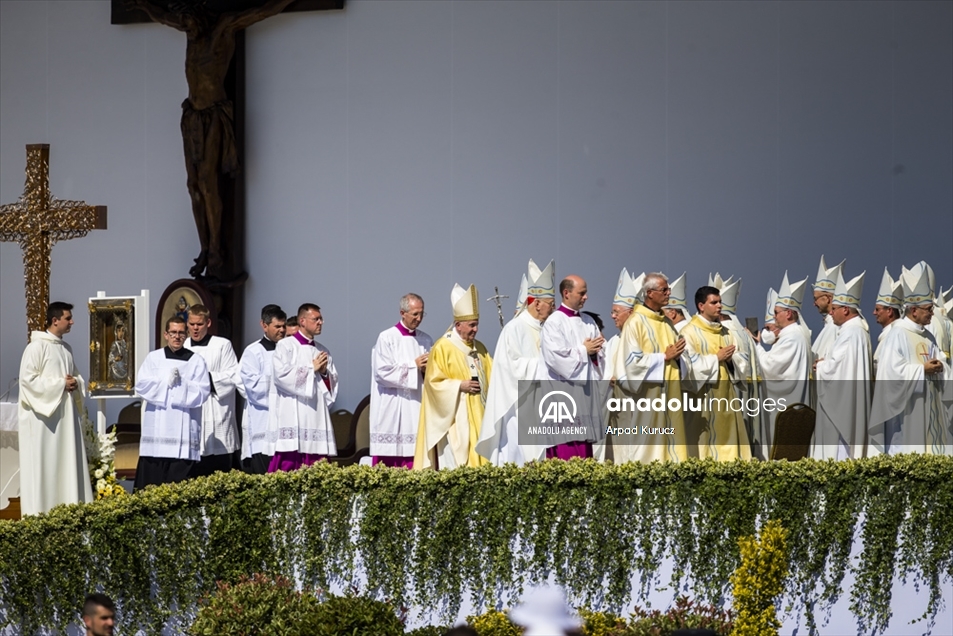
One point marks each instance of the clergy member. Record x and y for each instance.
(628, 292)
(887, 308)
(677, 308)
(786, 368)
(53, 467)
(174, 383)
(843, 380)
(454, 395)
(571, 346)
(219, 425)
(648, 366)
(718, 375)
(823, 293)
(913, 389)
(306, 384)
(291, 326)
(255, 370)
(516, 359)
(751, 388)
(398, 365)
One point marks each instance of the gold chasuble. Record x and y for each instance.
(449, 420)
(721, 431)
(647, 379)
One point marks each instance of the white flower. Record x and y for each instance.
(100, 485)
(98, 474)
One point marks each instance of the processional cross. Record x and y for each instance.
(37, 221)
(499, 305)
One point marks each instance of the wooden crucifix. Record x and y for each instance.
(36, 221)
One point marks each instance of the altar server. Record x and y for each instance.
(306, 384)
(53, 468)
(255, 369)
(786, 368)
(649, 366)
(174, 384)
(843, 380)
(913, 388)
(219, 424)
(455, 386)
(398, 364)
(517, 358)
(571, 346)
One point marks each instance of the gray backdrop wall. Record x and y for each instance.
(406, 146)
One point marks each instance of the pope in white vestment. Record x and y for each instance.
(843, 380)
(396, 383)
(517, 358)
(173, 383)
(53, 468)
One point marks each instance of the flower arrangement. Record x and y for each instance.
(100, 454)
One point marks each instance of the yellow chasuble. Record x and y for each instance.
(449, 424)
(654, 434)
(722, 435)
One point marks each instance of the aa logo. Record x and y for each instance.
(557, 407)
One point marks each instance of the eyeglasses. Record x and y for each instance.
(175, 334)
(664, 290)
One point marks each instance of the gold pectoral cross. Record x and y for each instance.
(37, 221)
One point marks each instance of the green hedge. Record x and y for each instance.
(488, 532)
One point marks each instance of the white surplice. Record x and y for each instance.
(396, 384)
(844, 393)
(172, 421)
(301, 420)
(53, 467)
(565, 359)
(825, 339)
(786, 373)
(517, 358)
(219, 426)
(910, 410)
(255, 370)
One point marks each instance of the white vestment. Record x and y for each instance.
(516, 358)
(942, 330)
(396, 384)
(844, 393)
(756, 422)
(172, 422)
(786, 373)
(880, 339)
(680, 325)
(565, 359)
(255, 371)
(219, 427)
(910, 412)
(825, 339)
(301, 420)
(53, 468)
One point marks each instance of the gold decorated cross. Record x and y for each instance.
(36, 221)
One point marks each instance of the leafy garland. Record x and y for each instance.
(100, 454)
(489, 532)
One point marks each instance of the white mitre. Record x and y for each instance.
(638, 282)
(717, 282)
(890, 293)
(944, 302)
(729, 296)
(791, 295)
(848, 294)
(466, 305)
(626, 291)
(916, 286)
(771, 303)
(677, 300)
(521, 295)
(541, 284)
(826, 279)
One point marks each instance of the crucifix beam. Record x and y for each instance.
(122, 13)
(37, 221)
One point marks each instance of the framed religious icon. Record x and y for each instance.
(112, 347)
(176, 301)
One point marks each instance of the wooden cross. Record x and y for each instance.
(36, 221)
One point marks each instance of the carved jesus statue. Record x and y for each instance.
(207, 129)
